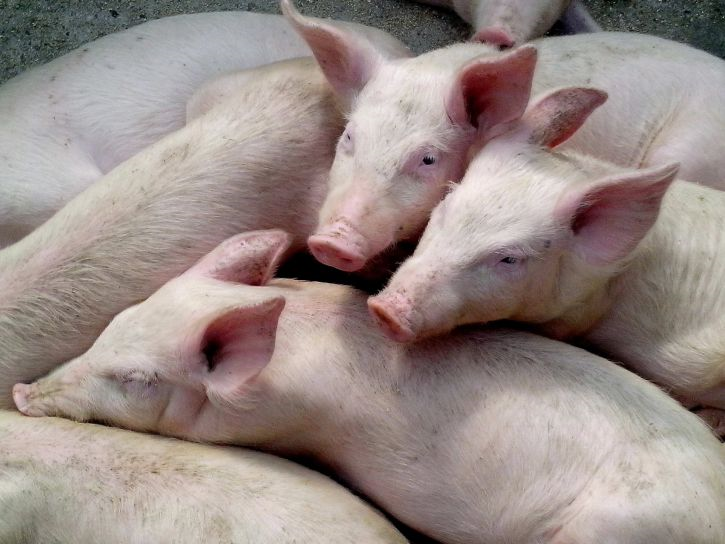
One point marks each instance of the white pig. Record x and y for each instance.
(512, 22)
(628, 261)
(259, 160)
(69, 483)
(480, 437)
(69, 122)
(413, 120)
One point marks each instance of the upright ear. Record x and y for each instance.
(558, 115)
(250, 258)
(610, 219)
(237, 345)
(348, 60)
(490, 91)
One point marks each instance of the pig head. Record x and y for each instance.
(528, 235)
(410, 125)
(175, 362)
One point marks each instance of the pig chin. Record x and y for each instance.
(38, 400)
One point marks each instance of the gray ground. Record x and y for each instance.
(35, 31)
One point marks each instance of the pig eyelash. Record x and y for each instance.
(136, 377)
(429, 159)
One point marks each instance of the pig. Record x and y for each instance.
(68, 123)
(70, 483)
(506, 23)
(483, 436)
(630, 262)
(257, 160)
(413, 121)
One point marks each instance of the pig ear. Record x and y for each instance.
(610, 219)
(237, 344)
(557, 116)
(347, 60)
(250, 258)
(490, 91)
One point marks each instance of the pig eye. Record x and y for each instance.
(509, 260)
(429, 159)
(138, 383)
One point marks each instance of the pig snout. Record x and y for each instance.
(494, 35)
(394, 315)
(340, 246)
(28, 400)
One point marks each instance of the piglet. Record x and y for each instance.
(506, 23)
(479, 437)
(413, 121)
(69, 122)
(257, 160)
(68, 483)
(631, 262)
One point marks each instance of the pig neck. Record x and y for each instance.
(252, 164)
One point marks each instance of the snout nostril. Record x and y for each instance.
(333, 253)
(382, 316)
(392, 326)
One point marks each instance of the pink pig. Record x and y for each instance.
(480, 437)
(412, 121)
(71, 483)
(69, 122)
(628, 261)
(512, 22)
(259, 159)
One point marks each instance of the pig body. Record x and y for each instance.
(252, 162)
(513, 22)
(619, 259)
(413, 121)
(68, 483)
(71, 121)
(478, 437)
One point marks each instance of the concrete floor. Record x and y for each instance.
(35, 31)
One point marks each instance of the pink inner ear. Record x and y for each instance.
(491, 91)
(610, 220)
(238, 345)
(250, 258)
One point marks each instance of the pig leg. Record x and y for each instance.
(577, 20)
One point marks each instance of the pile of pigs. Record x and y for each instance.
(566, 197)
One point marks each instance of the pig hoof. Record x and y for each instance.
(494, 36)
(390, 323)
(336, 254)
